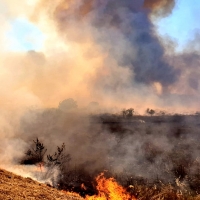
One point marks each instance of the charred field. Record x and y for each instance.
(152, 157)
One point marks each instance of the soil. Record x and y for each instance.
(14, 187)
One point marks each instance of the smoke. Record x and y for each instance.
(108, 48)
(104, 51)
(124, 32)
(132, 58)
(151, 149)
(162, 7)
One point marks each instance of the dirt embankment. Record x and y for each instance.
(14, 187)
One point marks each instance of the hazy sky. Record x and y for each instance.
(181, 25)
(115, 65)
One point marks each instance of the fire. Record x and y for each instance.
(83, 186)
(40, 167)
(109, 189)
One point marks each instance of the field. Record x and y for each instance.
(152, 157)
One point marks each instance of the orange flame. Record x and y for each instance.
(83, 186)
(40, 167)
(109, 189)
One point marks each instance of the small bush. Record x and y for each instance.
(35, 154)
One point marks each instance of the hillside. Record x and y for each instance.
(14, 187)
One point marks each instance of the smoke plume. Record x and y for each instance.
(124, 32)
(131, 56)
(161, 6)
(105, 51)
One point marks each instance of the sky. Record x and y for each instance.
(24, 36)
(59, 50)
(181, 26)
(183, 23)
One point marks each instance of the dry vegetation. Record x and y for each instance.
(14, 187)
(165, 166)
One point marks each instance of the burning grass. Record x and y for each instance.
(17, 188)
(148, 157)
(110, 189)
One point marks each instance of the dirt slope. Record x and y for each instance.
(14, 187)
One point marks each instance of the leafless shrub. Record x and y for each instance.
(35, 154)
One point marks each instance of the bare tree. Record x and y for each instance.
(59, 158)
(128, 113)
(35, 154)
(150, 111)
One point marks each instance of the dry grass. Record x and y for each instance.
(166, 192)
(14, 187)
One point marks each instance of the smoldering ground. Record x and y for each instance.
(164, 148)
